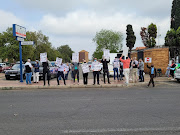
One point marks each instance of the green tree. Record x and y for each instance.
(131, 38)
(170, 39)
(107, 39)
(152, 32)
(175, 14)
(65, 52)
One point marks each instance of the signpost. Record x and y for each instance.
(20, 33)
(27, 43)
(148, 60)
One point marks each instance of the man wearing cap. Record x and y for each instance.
(36, 72)
(28, 71)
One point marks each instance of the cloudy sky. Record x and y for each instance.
(75, 22)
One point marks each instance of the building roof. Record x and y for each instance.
(84, 51)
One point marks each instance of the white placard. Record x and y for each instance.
(58, 61)
(148, 60)
(125, 51)
(96, 67)
(106, 54)
(43, 57)
(85, 68)
(75, 57)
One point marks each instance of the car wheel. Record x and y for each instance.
(178, 80)
(7, 78)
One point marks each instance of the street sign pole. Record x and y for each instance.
(20, 56)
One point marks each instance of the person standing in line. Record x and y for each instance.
(135, 70)
(141, 70)
(152, 74)
(126, 64)
(116, 66)
(172, 69)
(121, 70)
(72, 72)
(28, 71)
(85, 74)
(96, 68)
(67, 71)
(61, 73)
(105, 69)
(46, 71)
(76, 72)
(36, 72)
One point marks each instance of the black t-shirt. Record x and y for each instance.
(134, 63)
(45, 66)
(28, 69)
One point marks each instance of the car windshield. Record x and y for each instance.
(17, 67)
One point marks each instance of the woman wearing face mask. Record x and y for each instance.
(152, 74)
(96, 68)
(85, 69)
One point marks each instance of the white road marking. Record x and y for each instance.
(122, 130)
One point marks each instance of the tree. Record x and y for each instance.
(107, 39)
(65, 52)
(152, 31)
(175, 14)
(144, 36)
(131, 38)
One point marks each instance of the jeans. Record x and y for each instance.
(76, 73)
(85, 78)
(116, 70)
(94, 74)
(66, 75)
(121, 74)
(104, 73)
(28, 78)
(141, 75)
(60, 73)
(151, 80)
(48, 76)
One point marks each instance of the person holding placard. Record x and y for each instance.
(75, 69)
(61, 72)
(67, 71)
(126, 62)
(96, 67)
(105, 69)
(46, 71)
(85, 69)
(116, 66)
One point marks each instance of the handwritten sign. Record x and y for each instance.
(85, 68)
(106, 54)
(75, 57)
(125, 51)
(43, 57)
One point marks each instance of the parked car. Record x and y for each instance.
(177, 72)
(14, 72)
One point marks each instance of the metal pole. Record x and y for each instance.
(20, 56)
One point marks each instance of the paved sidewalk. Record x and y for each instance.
(15, 84)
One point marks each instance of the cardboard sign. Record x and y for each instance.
(106, 54)
(96, 67)
(148, 60)
(75, 57)
(58, 61)
(85, 68)
(125, 51)
(43, 57)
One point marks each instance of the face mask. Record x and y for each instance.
(84, 62)
(95, 60)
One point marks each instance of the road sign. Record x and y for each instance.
(148, 60)
(19, 31)
(27, 43)
(20, 39)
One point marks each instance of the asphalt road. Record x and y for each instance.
(120, 111)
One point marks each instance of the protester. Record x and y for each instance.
(126, 63)
(28, 71)
(36, 72)
(172, 69)
(67, 69)
(168, 71)
(85, 73)
(46, 71)
(152, 74)
(72, 73)
(121, 70)
(116, 66)
(61, 73)
(76, 71)
(134, 70)
(96, 68)
(105, 69)
(141, 70)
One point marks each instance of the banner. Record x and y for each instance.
(75, 57)
(85, 68)
(58, 61)
(106, 54)
(43, 57)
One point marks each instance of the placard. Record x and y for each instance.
(125, 51)
(106, 54)
(75, 57)
(85, 68)
(58, 61)
(97, 67)
(43, 57)
(148, 60)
